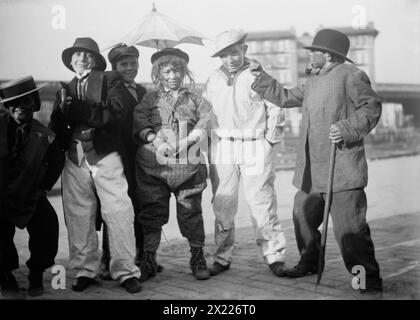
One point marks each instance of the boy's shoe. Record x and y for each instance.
(132, 285)
(8, 283)
(373, 287)
(82, 283)
(301, 270)
(198, 264)
(35, 291)
(35, 288)
(278, 268)
(217, 268)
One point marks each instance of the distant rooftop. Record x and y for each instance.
(291, 33)
(271, 35)
(350, 31)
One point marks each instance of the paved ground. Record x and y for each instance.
(394, 217)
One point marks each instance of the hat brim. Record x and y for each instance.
(40, 86)
(68, 53)
(217, 53)
(323, 49)
(123, 55)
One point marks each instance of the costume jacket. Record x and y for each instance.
(29, 166)
(340, 95)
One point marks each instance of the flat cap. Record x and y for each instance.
(120, 51)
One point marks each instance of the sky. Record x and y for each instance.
(35, 32)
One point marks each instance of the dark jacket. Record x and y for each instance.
(341, 95)
(26, 177)
(102, 110)
(129, 147)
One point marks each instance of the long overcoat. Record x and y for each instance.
(340, 95)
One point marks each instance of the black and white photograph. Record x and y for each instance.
(217, 152)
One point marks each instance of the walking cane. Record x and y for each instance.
(321, 261)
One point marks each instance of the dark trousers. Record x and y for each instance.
(154, 192)
(43, 240)
(352, 233)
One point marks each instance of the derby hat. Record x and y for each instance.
(170, 52)
(331, 41)
(87, 45)
(227, 39)
(18, 88)
(120, 51)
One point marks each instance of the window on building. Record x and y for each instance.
(267, 46)
(282, 60)
(281, 46)
(285, 76)
(259, 46)
(287, 45)
(274, 46)
(251, 47)
(361, 57)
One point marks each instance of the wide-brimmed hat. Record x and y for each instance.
(170, 52)
(87, 45)
(18, 88)
(331, 41)
(227, 39)
(120, 51)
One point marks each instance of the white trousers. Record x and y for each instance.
(82, 187)
(253, 161)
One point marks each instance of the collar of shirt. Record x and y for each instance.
(173, 94)
(131, 85)
(329, 68)
(16, 128)
(231, 75)
(84, 75)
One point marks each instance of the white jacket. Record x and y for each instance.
(238, 111)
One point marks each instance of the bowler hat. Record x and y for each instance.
(122, 50)
(227, 39)
(87, 45)
(18, 88)
(170, 52)
(331, 41)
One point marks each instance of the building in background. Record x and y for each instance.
(277, 51)
(362, 49)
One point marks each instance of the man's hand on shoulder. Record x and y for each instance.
(255, 68)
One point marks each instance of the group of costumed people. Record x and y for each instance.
(122, 152)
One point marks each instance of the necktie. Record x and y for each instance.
(17, 148)
(131, 87)
(80, 84)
